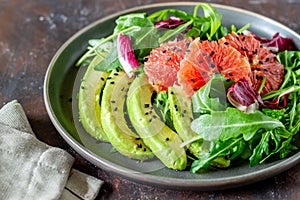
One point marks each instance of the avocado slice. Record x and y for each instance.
(163, 141)
(114, 123)
(89, 100)
(182, 116)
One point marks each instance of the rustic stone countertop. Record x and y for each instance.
(31, 32)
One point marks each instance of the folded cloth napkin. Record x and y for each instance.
(31, 169)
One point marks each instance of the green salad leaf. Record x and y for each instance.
(232, 123)
(210, 97)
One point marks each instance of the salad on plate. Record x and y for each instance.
(191, 92)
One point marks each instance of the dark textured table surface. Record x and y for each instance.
(31, 31)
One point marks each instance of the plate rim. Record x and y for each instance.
(166, 182)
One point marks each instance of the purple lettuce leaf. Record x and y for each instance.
(170, 23)
(277, 43)
(126, 54)
(242, 96)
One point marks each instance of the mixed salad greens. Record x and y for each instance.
(239, 126)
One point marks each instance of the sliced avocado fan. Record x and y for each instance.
(162, 140)
(114, 123)
(89, 100)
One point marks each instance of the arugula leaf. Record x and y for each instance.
(214, 18)
(232, 123)
(281, 143)
(291, 62)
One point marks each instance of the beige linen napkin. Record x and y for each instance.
(31, 169)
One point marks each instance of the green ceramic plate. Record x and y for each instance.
(62, 82)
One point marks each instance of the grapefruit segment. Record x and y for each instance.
(163, 64)
(263, 62)
(205, 58)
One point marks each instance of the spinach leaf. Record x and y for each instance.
(211, 97)
(232, 123)
(234, 146)
(162, 104)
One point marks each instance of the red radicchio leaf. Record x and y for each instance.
(126, 54)
(242, 96)
(171, 23)
(277, 43)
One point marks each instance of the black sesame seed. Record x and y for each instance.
(237, 38)
(187, 50)
(193, 81)
(146, 105)
(146, 113)
(191, 119)
(266, 70)
(226, 43)
(82, 87)
(112, 82)
(102, 79)
(172, 93)
(243, 38)
(212, 53)
(164, 51)
(108, 78)
(220, 68)
(168, 58)
(184, 111)
(167, 139)
(137, 138)
(230, 74)
(260, 62)
(117, 69)
(116, 74)
(208, 59)
(212, 65)
(145, 149)
(187, 44)
(203, 73)
(113, 101)
(195, 89)
(267, 60)
(182, 115)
